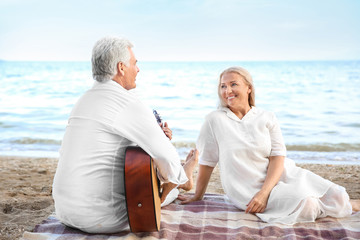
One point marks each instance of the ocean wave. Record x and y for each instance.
(318, 147)
(4, 125)
(13, 75)
(27, 140)
(325, 147)
(184, 144)
(352, 125)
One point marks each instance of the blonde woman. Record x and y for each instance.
(247, 143)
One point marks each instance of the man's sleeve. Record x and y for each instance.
(137, 123)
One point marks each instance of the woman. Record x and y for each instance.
(256, 175)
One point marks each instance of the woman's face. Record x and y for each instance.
(234, 90)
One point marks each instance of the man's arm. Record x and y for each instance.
(137, 123)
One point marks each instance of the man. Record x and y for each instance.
(88, 187)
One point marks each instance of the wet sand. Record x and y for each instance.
(25, 190)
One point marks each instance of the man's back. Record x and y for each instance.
(90, 172)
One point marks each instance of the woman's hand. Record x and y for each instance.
(166, 130)
(187, 198)
(201, 184)
(258, 203)
(275, 169)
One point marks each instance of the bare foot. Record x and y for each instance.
(191, 161)
(355, 205)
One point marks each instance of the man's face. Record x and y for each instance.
(130, 72)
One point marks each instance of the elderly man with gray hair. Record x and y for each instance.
(88, 187)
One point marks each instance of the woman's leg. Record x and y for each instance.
(336, 202)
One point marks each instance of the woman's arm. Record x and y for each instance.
(201, 184)
(275, 169)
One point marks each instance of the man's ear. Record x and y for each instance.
(120, 68)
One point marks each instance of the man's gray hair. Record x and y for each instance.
(106, 54)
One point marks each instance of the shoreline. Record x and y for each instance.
(26, 186)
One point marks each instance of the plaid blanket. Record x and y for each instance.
(212, 218)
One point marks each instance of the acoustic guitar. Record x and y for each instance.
(142, 191)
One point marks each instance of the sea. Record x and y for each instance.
(316, 102)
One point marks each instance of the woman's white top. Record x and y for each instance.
(242, 149)
(88, 186)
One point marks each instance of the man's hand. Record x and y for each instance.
(166, 130)
(166, 188)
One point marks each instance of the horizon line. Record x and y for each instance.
(183, 61)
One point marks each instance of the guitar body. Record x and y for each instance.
(141, 191)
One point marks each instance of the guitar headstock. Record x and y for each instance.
(157, 116)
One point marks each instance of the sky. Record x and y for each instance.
(182, 30)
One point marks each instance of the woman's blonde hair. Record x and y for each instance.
(248, 80)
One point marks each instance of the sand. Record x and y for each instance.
(25, 190)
